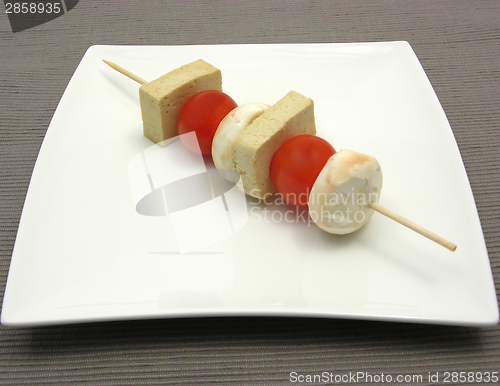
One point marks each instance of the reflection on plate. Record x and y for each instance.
(83, 253)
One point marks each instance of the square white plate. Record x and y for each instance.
(84, 254)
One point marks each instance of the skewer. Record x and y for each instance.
(378, 208)
(414, 227)
(125, 72)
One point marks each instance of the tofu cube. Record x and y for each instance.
(162, 99)
(255, 146)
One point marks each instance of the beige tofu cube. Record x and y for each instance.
(255, 146)
(162, 99)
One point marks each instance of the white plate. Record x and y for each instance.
(84, 254)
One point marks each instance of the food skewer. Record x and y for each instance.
(414, 227)
(373, 205)
(125, 72)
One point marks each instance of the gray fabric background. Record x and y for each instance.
(458, 45)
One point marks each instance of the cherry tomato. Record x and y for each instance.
(202, 114)
(296, 165)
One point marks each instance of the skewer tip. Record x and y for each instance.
(417, 228)
(125, 72)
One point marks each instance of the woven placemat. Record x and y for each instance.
(458, 45)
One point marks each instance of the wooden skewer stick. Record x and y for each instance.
(125, 72)
(386, 212)
(417, 228)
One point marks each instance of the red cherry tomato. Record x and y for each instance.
(202, 114)
(296, 165)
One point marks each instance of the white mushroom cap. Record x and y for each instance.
(340, 197)
(229, 128)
